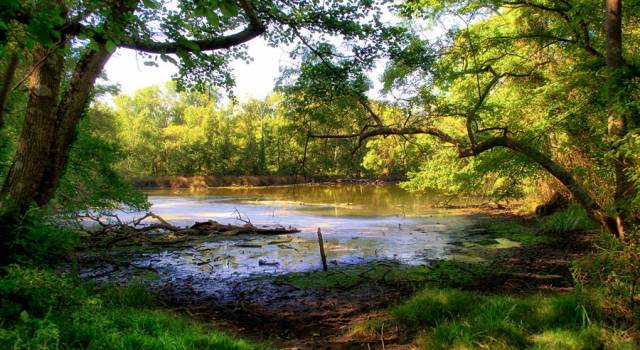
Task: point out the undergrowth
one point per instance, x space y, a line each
602 313
41 310
454 319
572 218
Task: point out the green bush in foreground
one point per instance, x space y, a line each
40 310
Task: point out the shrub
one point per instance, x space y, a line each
33 240
41 310
573 218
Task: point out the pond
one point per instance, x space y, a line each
360 224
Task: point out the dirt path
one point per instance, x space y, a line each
293 318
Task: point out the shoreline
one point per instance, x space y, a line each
242 181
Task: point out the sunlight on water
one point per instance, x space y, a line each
359 224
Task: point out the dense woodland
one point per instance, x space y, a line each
517 101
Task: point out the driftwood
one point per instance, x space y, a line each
213 227
112 230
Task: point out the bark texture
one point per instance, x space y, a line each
34 145
617 124
5 89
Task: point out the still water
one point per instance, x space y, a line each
359 223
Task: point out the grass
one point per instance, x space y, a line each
445 273
454 319
602 313
573 218
40 310
516 232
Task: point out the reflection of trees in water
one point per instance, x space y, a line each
336 200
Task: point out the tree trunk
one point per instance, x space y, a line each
68 116
617 126
595 211
38 132
5 89
50 125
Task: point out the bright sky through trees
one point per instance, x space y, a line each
255 79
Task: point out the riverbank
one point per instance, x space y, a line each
206 182
344 307
504 262
508 283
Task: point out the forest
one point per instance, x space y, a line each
422 175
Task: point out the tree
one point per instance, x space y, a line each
69 46
519 75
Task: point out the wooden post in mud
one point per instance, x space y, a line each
322 255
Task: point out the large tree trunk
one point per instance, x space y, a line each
50 125
617 126
577 190
68 116
39 129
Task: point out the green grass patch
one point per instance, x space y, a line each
573 218
442 273
516 232
40 310
455 319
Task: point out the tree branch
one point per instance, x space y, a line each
254 29
444 137
535 5
565 177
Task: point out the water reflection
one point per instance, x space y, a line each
359 223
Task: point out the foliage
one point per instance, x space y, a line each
452 318
572 218
42 310
444 172
33 239
91 180
613 269
164 132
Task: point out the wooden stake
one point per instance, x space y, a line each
322 255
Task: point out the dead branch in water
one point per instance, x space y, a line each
112 229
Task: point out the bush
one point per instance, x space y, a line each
573 218
41 310
614 270
32 239
455 319
34 291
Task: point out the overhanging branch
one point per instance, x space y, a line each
254 29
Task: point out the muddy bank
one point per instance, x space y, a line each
204 182
294 314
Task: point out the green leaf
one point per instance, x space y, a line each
213 19
151 4
229 9
110 45
167 58
93 46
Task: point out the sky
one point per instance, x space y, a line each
255 79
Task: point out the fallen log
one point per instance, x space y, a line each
154 232
214 227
